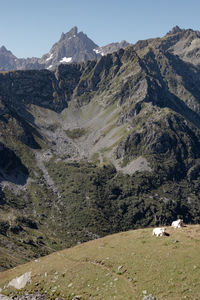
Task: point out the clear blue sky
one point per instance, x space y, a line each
30 27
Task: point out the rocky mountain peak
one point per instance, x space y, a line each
73 31
62 37
3 49
72 47
7 59
175 30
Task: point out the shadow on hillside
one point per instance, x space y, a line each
2 197
11 167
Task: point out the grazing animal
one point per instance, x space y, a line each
177 224
159 231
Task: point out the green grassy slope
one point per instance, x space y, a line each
120 266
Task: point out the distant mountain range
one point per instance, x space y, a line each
72 47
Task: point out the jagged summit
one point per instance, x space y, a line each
7 59
175 30
72 47
75 46
3 48
73 31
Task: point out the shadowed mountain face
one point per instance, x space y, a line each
104 146
11 167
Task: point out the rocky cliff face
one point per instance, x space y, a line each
97 147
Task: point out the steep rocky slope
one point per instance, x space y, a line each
96 148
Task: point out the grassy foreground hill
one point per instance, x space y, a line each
127 265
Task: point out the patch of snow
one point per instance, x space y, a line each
49 67
97 51
20 282
50 57
74 35
66 59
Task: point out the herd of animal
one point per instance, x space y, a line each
161 231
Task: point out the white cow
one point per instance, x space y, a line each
159 231
177 224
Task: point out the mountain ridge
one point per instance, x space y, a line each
75 46
72 46
101 146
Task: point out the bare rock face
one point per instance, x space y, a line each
175 30
7 59
20 282
36 296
